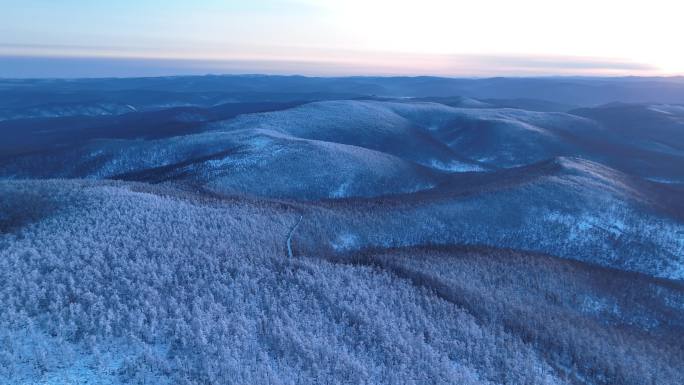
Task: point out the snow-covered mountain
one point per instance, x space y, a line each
290 230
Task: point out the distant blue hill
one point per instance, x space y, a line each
573 91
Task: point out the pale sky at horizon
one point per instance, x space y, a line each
350 37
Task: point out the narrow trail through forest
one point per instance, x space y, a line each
289 237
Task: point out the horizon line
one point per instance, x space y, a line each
26 66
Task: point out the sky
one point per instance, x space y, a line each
90 38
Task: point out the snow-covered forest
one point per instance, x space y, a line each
188 236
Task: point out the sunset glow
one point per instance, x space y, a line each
327 37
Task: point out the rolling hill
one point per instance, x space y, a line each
292 230
112 282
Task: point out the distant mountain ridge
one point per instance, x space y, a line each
199 90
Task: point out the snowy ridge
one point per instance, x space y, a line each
289 230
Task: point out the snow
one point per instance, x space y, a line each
667 109
340 191
454 166
269 280
346 241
